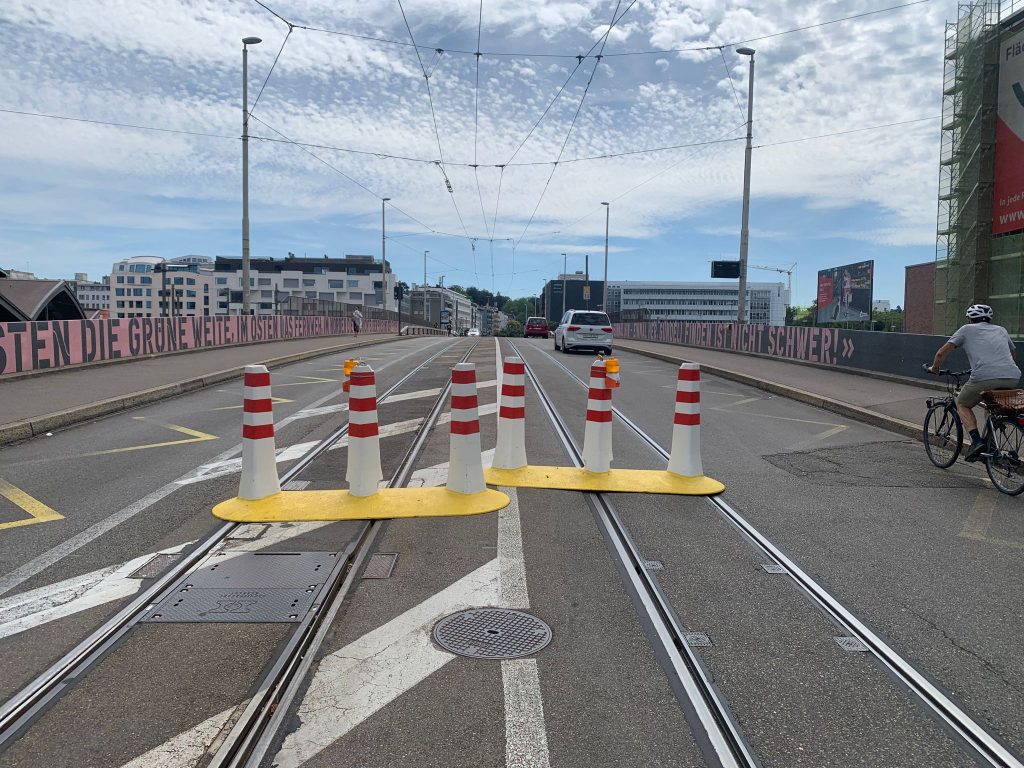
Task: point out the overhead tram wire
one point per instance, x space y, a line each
272 67
728 73
433 117
844 133
616 18
476 125
108 123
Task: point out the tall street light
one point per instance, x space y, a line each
246 42
744 226
383 251
425 318
564 265
604 289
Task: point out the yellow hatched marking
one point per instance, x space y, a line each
38 512
977 524
194 436
236 407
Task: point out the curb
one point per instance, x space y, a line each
40 425
905 428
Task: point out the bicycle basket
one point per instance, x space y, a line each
1005 402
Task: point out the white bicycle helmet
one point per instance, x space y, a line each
977 311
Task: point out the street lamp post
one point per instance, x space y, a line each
383 251
564 266
425 318
246 42
744 226
604 289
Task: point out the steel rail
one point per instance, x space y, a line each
970 733
715 729
255 731
19 711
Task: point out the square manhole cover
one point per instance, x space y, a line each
157 565
851 644
256 606
697 639
265 570
773 568
654 565
380 565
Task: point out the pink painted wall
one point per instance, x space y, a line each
60 343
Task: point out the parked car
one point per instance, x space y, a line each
473 332
536 326
584 329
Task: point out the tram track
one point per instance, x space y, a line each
24 707
715 728
970 734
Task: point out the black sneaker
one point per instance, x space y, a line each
975 451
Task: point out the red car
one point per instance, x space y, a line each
536 326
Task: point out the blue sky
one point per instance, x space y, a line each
76 196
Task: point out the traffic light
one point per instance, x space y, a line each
399 292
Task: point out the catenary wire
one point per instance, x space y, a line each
476 123
68 118
272 67
844 133
728 74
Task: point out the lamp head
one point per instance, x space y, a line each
745 51
385 200
251 40
605 203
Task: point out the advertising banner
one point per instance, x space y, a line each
1008 192
845 293
58 343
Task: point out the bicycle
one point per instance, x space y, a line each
1003 433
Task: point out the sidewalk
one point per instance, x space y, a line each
895 406
28 404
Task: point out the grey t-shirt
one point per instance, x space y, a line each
988 350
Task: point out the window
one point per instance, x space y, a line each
190 294
335 283
222 281
146 280
131 279
119 292
140 268
264 281
307 283
120 305
378 285
206 287
149 305
266 294
326 296
291 282
353 283
178 281
355 295
149 291
266 306
310 294
136 291
190 305
192 281
120 278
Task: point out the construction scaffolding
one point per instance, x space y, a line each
970 264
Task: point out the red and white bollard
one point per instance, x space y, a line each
465 465
259 457
685 459
510 449
597 436
363 471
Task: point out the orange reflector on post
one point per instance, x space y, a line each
611 372
348 367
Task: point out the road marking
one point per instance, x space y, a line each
236 407
37 511
309 380
816 438
195 436
362 678
185 749
745 401
980 519
54 555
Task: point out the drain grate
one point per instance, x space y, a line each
654 565
295 485
157 565
380 565
851 644
773 568
492 633
697 639
234 605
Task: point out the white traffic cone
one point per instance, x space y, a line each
259 458
510 449
465 465
685 459
363 471
597 437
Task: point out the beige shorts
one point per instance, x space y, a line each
970 395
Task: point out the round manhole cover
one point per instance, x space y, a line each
492 633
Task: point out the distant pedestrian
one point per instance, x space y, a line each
357 321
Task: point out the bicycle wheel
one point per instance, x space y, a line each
1004 466
943 435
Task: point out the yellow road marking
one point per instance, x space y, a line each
236 407
815 438
980 519
780 418
309 380
38 512
195 436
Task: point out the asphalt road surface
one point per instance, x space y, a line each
929 559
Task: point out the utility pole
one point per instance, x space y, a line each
604 289
564 262
744 225
383 251
246 42
426 319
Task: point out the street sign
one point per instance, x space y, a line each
446 316
727 269
586 293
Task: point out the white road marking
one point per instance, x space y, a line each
362 678
43 561
185 749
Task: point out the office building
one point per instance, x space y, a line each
715 302
151 286
426 304
91 294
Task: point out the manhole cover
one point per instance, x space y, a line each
492 633
851 644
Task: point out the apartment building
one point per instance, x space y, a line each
151 286
91 294
351 280
697 302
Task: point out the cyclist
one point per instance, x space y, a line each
991 354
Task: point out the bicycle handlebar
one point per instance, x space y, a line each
947 372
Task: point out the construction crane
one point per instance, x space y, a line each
787 272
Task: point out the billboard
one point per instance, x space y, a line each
729 269
1008 192
845 293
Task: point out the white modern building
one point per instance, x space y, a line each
462 313
881 305
716 302
272 282
151 286
91 294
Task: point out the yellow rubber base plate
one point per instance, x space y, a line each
613 481
387 503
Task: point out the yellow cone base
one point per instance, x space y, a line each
613 481
387 503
